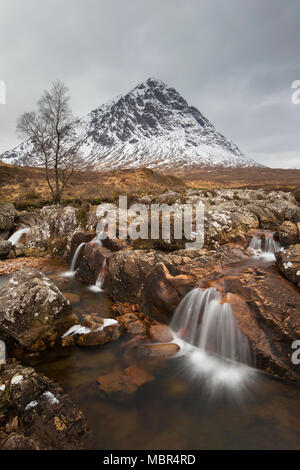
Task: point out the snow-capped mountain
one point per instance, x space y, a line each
151 126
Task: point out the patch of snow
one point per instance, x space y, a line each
76 330
16 379
53 400
30 405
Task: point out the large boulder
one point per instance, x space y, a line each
36 414
288 262
158 281
288 234
33 312
7 216
50 222
267 307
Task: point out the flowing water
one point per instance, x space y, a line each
202 398
71 272
16 237
264 246
196 401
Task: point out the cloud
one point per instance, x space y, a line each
234 60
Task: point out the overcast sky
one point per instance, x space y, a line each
235 60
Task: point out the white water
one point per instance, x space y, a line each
203 321
211 341
2 352
99 237
14 239
98 287
73 262
265 247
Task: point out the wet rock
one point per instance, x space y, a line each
115 244
132 324
157 351
7 216
90 262
94 331
77 239
267 307
122 385
161 333
40 411
33 312
159 281
127 271
288 261
288 234
5 248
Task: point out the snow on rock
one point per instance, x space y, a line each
151 126
16 379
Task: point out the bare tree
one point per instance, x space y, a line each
50 130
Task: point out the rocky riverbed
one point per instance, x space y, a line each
48 319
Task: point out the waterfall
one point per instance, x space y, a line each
265 246
73 262
14 239
99 237
2 352
201 320
212 347
98 287
76 254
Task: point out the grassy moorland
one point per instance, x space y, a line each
27 187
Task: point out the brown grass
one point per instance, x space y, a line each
27 187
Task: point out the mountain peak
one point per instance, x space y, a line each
151 126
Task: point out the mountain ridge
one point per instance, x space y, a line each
150 126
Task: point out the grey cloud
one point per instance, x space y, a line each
234 60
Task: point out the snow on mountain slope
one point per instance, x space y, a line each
151 126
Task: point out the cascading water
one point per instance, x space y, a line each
265 246
98 287
99 237
2 352
15 238
73 262
210 339
203 321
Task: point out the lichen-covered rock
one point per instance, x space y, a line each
38 415
288 234
33 312
288 261
49 222
7 216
